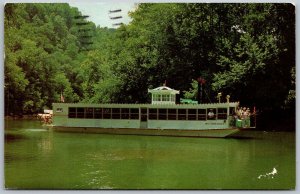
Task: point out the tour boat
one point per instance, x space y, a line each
162 117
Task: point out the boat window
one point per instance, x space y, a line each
192 114
124 110
115 110
80 112
152 113
144 110
144 115
232 111
165 97
172 114
181 114
106 113
89 112
162 114
201 114
222 113
134 110
115 113
156 97
124 113
98 113
173 98
211 113
59 110
134 113
72 112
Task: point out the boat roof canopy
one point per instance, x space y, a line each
163 90
199 106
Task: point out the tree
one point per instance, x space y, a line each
255 63
242 50
41 45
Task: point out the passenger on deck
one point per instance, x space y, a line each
248 112
244 113
242 117
211 114
238 113
247 118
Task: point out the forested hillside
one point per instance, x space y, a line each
244 50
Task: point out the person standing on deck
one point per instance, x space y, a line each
211 114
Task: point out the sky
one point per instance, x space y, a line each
98 12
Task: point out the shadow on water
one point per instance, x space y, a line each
9 157
9 138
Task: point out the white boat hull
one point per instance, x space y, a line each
151 132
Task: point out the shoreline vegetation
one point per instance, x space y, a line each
244 50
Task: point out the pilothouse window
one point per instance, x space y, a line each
165 97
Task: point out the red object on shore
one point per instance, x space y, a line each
201 80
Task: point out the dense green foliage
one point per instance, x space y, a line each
41 56
244 50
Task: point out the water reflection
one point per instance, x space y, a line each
45 144
9 138
45 159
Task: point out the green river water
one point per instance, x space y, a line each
37 158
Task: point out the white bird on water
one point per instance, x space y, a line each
269 174
273 172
